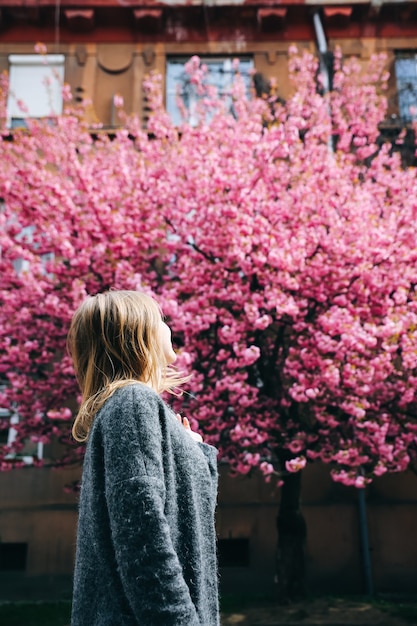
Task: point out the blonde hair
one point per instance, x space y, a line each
114 341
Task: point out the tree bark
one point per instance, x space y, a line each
292 533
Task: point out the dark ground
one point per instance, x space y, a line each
327 611
249 611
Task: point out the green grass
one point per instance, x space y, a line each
35 613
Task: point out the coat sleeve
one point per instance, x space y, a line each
147 562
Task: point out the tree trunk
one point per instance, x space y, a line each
292 532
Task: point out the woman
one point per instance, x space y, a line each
146 545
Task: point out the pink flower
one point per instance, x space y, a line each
296 446
263 322
61 414
295 465
250 355
360 482
118 101
66 92
298 331
40 48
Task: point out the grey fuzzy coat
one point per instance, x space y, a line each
146 545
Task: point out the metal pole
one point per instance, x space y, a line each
322 47
366 556
324 69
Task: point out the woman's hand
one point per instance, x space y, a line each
185 422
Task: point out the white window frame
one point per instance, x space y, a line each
12 436
407 87
28 78
22 266
171 87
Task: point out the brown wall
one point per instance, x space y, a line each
36 510
248 508
98 71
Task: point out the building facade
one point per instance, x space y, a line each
103 49
106 47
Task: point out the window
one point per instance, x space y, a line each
35 87
233 552
25 236
30 449
406 74
220 74
4 424
13 557
8 435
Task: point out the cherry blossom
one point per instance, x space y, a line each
286 269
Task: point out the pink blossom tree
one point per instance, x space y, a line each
294 287
293 280
79 215
281 241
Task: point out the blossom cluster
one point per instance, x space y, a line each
286 268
